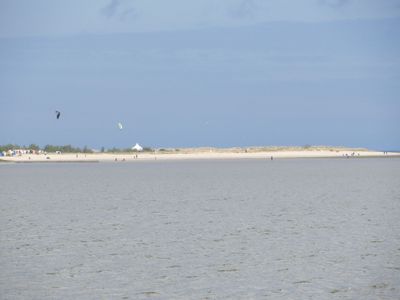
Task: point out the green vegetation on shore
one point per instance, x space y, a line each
47 148
67 149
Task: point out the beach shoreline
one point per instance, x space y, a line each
193 155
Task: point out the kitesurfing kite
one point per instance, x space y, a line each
58 114
120 125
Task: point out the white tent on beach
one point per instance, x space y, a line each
137 147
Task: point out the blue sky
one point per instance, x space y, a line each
200 73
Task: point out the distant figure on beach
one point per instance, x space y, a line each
58 114
272 158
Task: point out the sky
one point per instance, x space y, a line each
218 73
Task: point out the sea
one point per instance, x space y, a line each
205 229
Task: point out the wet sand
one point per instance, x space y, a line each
215 229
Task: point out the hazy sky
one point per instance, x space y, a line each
200 73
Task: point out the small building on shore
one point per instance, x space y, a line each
137 148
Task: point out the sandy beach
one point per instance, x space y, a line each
184 154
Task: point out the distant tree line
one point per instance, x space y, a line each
15 146
68 149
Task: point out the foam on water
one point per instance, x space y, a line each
257 229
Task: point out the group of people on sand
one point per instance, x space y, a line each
352 155
123 159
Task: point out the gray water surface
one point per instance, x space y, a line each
246 229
